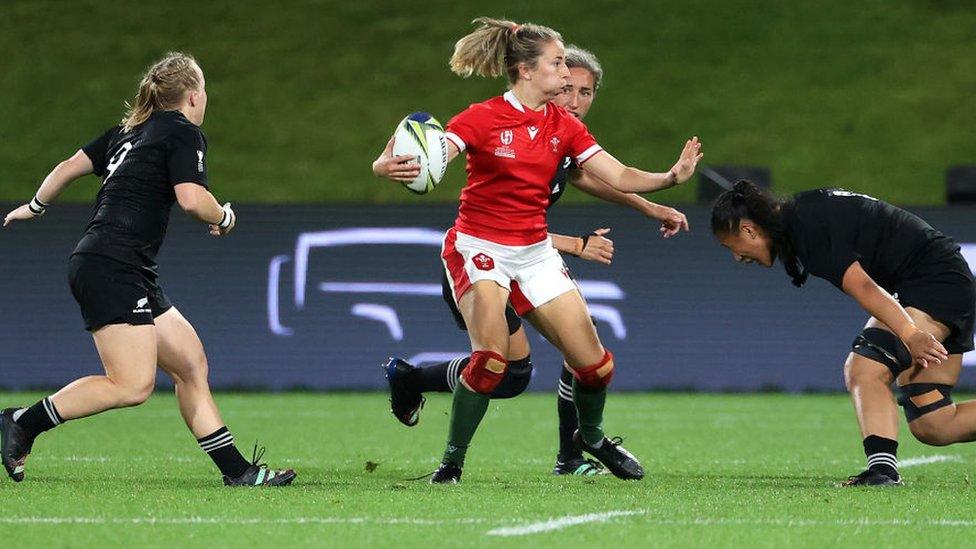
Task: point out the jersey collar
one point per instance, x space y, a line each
513 101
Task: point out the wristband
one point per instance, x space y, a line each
36 206
674 177
583 240
227 220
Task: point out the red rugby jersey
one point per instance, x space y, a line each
513 153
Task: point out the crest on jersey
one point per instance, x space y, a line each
555 144
507 137
483 262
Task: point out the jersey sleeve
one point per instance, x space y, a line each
582 145
97 150
462 130
186 157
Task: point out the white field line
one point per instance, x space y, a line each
925 460
520 529
559 523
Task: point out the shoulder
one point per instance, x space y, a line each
181 130
486 109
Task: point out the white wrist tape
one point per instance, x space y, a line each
36 206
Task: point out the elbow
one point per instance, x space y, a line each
190 202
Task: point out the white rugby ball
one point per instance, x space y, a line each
420 135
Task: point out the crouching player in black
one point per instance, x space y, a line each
408 382
911 278
154 158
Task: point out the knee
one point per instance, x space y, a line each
516 380
919 401
484 372
134 394
192 370
928 432
857 374
596 377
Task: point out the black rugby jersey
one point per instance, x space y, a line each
139 170
830 229
559 181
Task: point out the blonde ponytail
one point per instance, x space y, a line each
498 46
162 88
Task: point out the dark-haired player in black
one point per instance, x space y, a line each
156 157
409 382
909 277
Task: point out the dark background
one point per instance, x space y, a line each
694 319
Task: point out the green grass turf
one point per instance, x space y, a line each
722 470
876 95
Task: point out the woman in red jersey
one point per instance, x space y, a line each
499 249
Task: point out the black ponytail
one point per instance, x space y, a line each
746 200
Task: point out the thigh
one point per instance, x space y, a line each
128 352
179 348
565 322
946 373
483 309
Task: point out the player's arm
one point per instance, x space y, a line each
199 203
57 181
881 305
632 180
672 221
403 168
592 247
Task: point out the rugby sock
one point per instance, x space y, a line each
466 413
441 377
219 445
882 455
40 417
589 406
568 421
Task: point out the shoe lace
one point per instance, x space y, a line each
594 464
257 455
617 441
421 477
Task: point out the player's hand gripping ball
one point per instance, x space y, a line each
420 135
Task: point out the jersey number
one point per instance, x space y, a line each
117 159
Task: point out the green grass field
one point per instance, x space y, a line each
876 95
722 470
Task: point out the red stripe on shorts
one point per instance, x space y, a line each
519 302
454 263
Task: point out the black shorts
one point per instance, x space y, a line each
511 317
945 290
112 292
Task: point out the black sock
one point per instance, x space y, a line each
219 445
40 417
882 454
441 377
568 420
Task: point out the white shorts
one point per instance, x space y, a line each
535 274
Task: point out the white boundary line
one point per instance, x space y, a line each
559 523
925 460
519 530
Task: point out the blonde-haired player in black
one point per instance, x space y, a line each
155 157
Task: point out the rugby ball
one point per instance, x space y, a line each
420 135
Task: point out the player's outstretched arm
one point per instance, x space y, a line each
924 347
632 180
672 221
592 247
199 203
57 181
